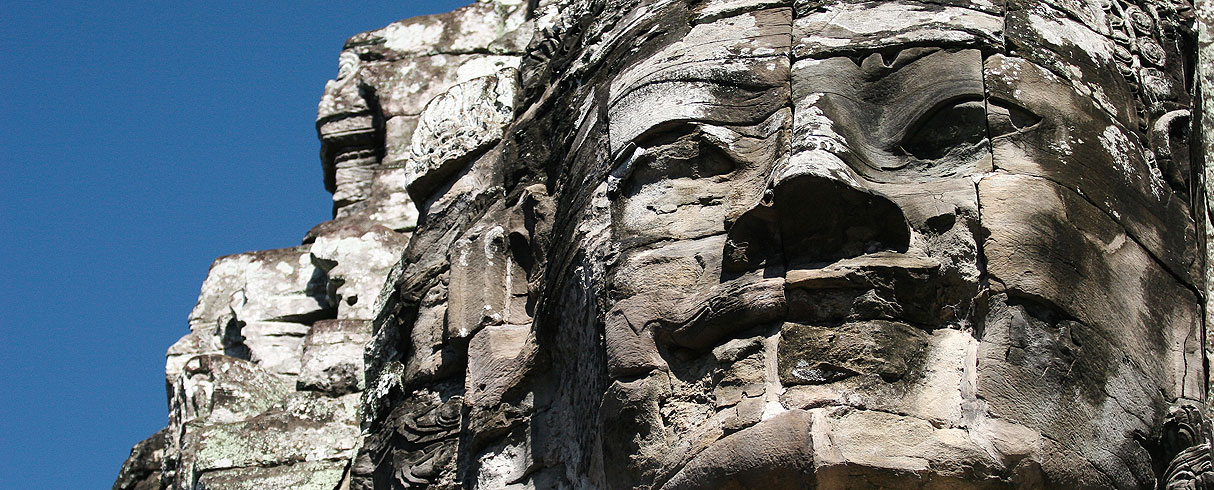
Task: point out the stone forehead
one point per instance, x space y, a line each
845 28
752 49
719 49
822 29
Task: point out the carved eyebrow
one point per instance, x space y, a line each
744 78
720 135
753 57
710 102
890 59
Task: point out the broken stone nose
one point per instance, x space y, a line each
806 220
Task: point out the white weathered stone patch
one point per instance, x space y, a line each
417 38
864 26
459 123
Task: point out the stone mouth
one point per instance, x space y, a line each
825 354
857 272
887 286
352 152
331 136
347 144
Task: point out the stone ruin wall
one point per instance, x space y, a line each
269 389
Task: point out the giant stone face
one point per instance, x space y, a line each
748 244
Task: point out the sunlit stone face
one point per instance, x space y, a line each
862 244
748 244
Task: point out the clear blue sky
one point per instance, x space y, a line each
139 141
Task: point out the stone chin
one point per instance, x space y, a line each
845 447
775 454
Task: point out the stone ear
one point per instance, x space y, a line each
494 263
1171 144
531 228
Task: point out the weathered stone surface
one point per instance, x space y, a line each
873 449
644 244
369 114
777 453
225 389
1057 336
816 355
319 475
213 389
255 306
1205 119
332 359
1072 142
456 125
270 285
141 471
498 357
266 324
356 257
305 427
838 28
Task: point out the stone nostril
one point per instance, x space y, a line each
941 223
811 221
769 198
752 240
822 220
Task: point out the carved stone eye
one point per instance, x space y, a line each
679 153
1007 118
957 125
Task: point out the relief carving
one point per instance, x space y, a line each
677 244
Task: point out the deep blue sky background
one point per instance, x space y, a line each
139 141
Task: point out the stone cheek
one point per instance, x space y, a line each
331 358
